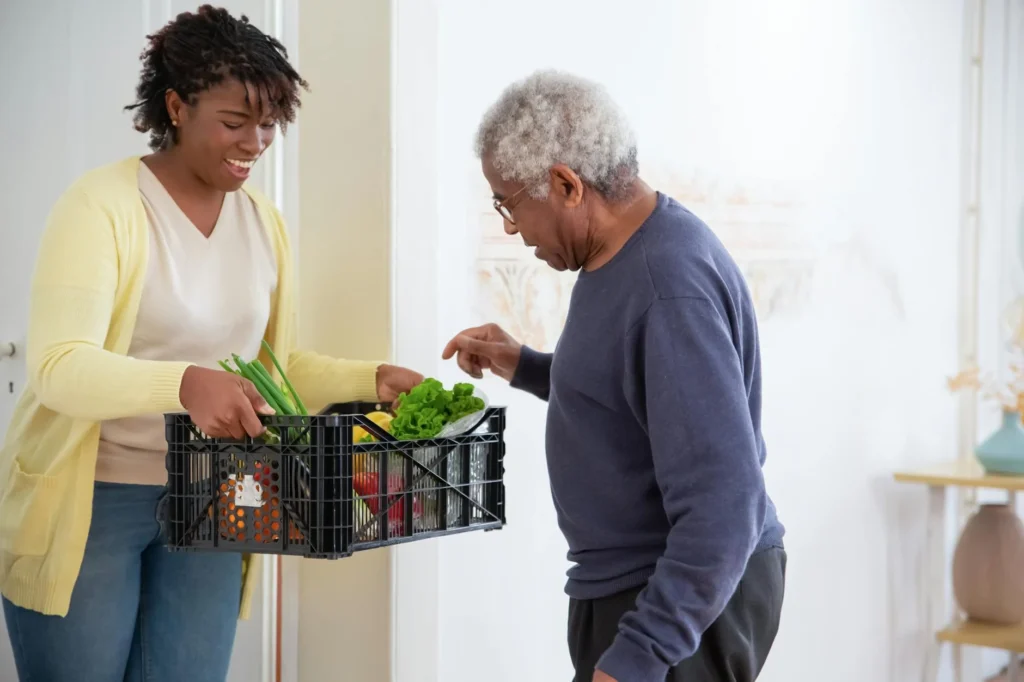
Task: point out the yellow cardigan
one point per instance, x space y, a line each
84 299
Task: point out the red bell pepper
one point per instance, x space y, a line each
367 486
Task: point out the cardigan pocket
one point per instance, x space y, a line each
27 511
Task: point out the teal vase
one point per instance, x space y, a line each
1003 451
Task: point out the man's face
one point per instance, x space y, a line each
544 224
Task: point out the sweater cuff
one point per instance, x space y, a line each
165 386
364 381
532 372
625 661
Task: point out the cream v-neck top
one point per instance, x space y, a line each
203 299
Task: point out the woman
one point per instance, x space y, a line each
150 271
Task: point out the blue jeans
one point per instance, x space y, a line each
139 613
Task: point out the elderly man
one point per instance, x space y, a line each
654 442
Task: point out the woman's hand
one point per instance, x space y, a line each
222 404
392 381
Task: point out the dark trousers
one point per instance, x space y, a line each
733 649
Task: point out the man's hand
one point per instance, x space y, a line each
486 347
603 677
393 381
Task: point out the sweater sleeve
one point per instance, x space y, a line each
533 373
322 380
708 470
72 301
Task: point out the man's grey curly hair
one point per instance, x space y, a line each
553 117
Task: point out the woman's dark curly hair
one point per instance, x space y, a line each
200 49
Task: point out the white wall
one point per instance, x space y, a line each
822 141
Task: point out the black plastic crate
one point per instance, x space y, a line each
309 490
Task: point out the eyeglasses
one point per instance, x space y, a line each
505 206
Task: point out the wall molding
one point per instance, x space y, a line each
989 232
273 181
280 588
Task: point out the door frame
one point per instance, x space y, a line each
415 599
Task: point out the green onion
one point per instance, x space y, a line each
284 400
284 377
253 375
279 396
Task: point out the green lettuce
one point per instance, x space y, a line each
429 407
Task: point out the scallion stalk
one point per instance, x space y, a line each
253 375
284 377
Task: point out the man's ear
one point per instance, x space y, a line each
567 185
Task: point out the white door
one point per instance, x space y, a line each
68 69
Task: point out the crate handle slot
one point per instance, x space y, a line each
346 409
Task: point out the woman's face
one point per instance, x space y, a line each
223 133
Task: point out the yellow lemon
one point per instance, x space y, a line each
381 419
362 462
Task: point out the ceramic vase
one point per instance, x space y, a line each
1003 451
988 566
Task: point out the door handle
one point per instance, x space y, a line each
7 349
